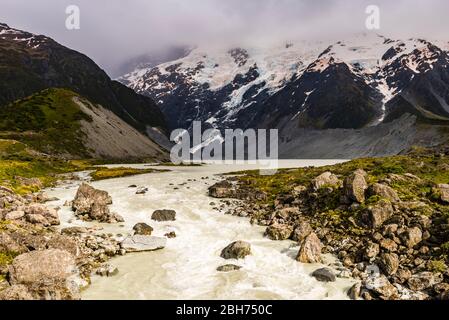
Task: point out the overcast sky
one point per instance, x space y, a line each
113 31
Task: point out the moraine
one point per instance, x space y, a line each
186 267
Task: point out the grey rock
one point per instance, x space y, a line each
139 243
326 179
324 275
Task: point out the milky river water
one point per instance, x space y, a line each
186 267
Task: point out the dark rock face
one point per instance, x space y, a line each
324 275
164 215
40 63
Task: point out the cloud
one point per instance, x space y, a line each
113 31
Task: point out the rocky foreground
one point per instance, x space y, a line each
387 220
39 260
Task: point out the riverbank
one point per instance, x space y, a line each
386 219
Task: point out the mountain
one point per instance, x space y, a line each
30 63
319 93
152 59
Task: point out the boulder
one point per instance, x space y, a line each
326 179
302 230
354 187
222 189
324 275
388 245
50 274
142 229
15 215
141 190
371 251
16 292
9 244
228 268
164 215
411 237
310 249
74 230
66 243
107 270
424 280
381 287
40 214
375 216
279 232
170 235
93 203
139 243
236 250
355 291
383 191
389 263
441 191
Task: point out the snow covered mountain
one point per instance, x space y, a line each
367 80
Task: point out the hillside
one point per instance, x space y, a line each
61 123
30 63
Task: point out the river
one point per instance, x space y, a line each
186 267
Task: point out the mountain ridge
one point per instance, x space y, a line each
349 85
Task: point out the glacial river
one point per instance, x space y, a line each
186 267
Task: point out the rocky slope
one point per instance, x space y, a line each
61 123
386 220
341 89
30 63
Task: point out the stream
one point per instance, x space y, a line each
186 267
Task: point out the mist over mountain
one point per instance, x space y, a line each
324 97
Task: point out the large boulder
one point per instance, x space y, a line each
383 191
16 292
424 280
139 243
411 237
222 189
93 204
441 191
381 287
164 215
236 250
40 214
10 244
142 229
354 187
324 275
310 249
326 179
279 232
49 274
389 263
375 215
301 231
371 251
